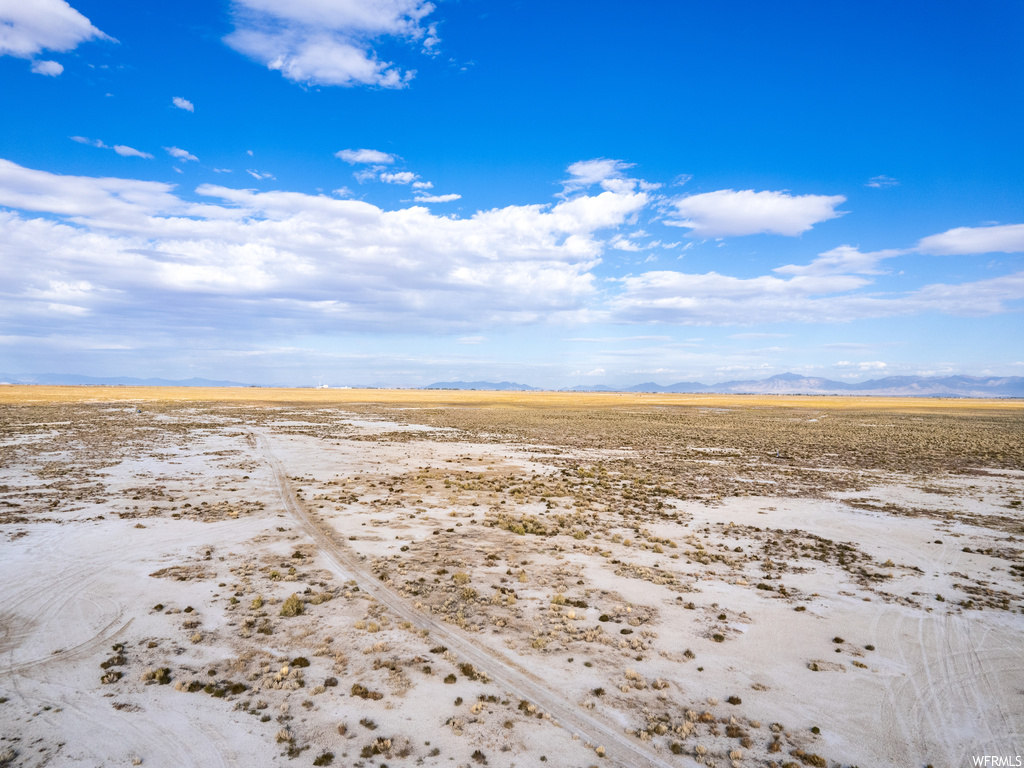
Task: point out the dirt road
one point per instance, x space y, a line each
506 673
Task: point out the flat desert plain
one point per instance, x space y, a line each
364 578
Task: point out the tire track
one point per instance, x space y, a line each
502 670
948 705
88 647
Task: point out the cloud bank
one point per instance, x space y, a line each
115 257
135 254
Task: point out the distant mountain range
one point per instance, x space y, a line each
500 386
782 384
794 384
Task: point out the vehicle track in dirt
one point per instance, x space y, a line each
510 675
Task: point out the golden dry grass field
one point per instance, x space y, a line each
419 397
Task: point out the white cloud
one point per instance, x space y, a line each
48 68
876 365
400 177
437 198
623 243
260 176
965 241
472 339
881 182
603 171
380 173
121 149
185 104
369 156
842 260
829 290
367 174
607 339
727 212
31 26
124 151
180 154
136 258
628 243
263 261
103 202
330 43
423 185
432 41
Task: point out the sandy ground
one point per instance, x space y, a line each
467 598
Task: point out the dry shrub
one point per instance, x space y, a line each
293 606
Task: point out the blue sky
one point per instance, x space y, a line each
399 192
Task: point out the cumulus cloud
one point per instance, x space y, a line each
330 43
368 156
28 28
437 198
967 241
728 212
48 68
180 154
185 104
423 185
400 177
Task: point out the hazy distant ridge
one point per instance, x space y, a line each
499 386
794 384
